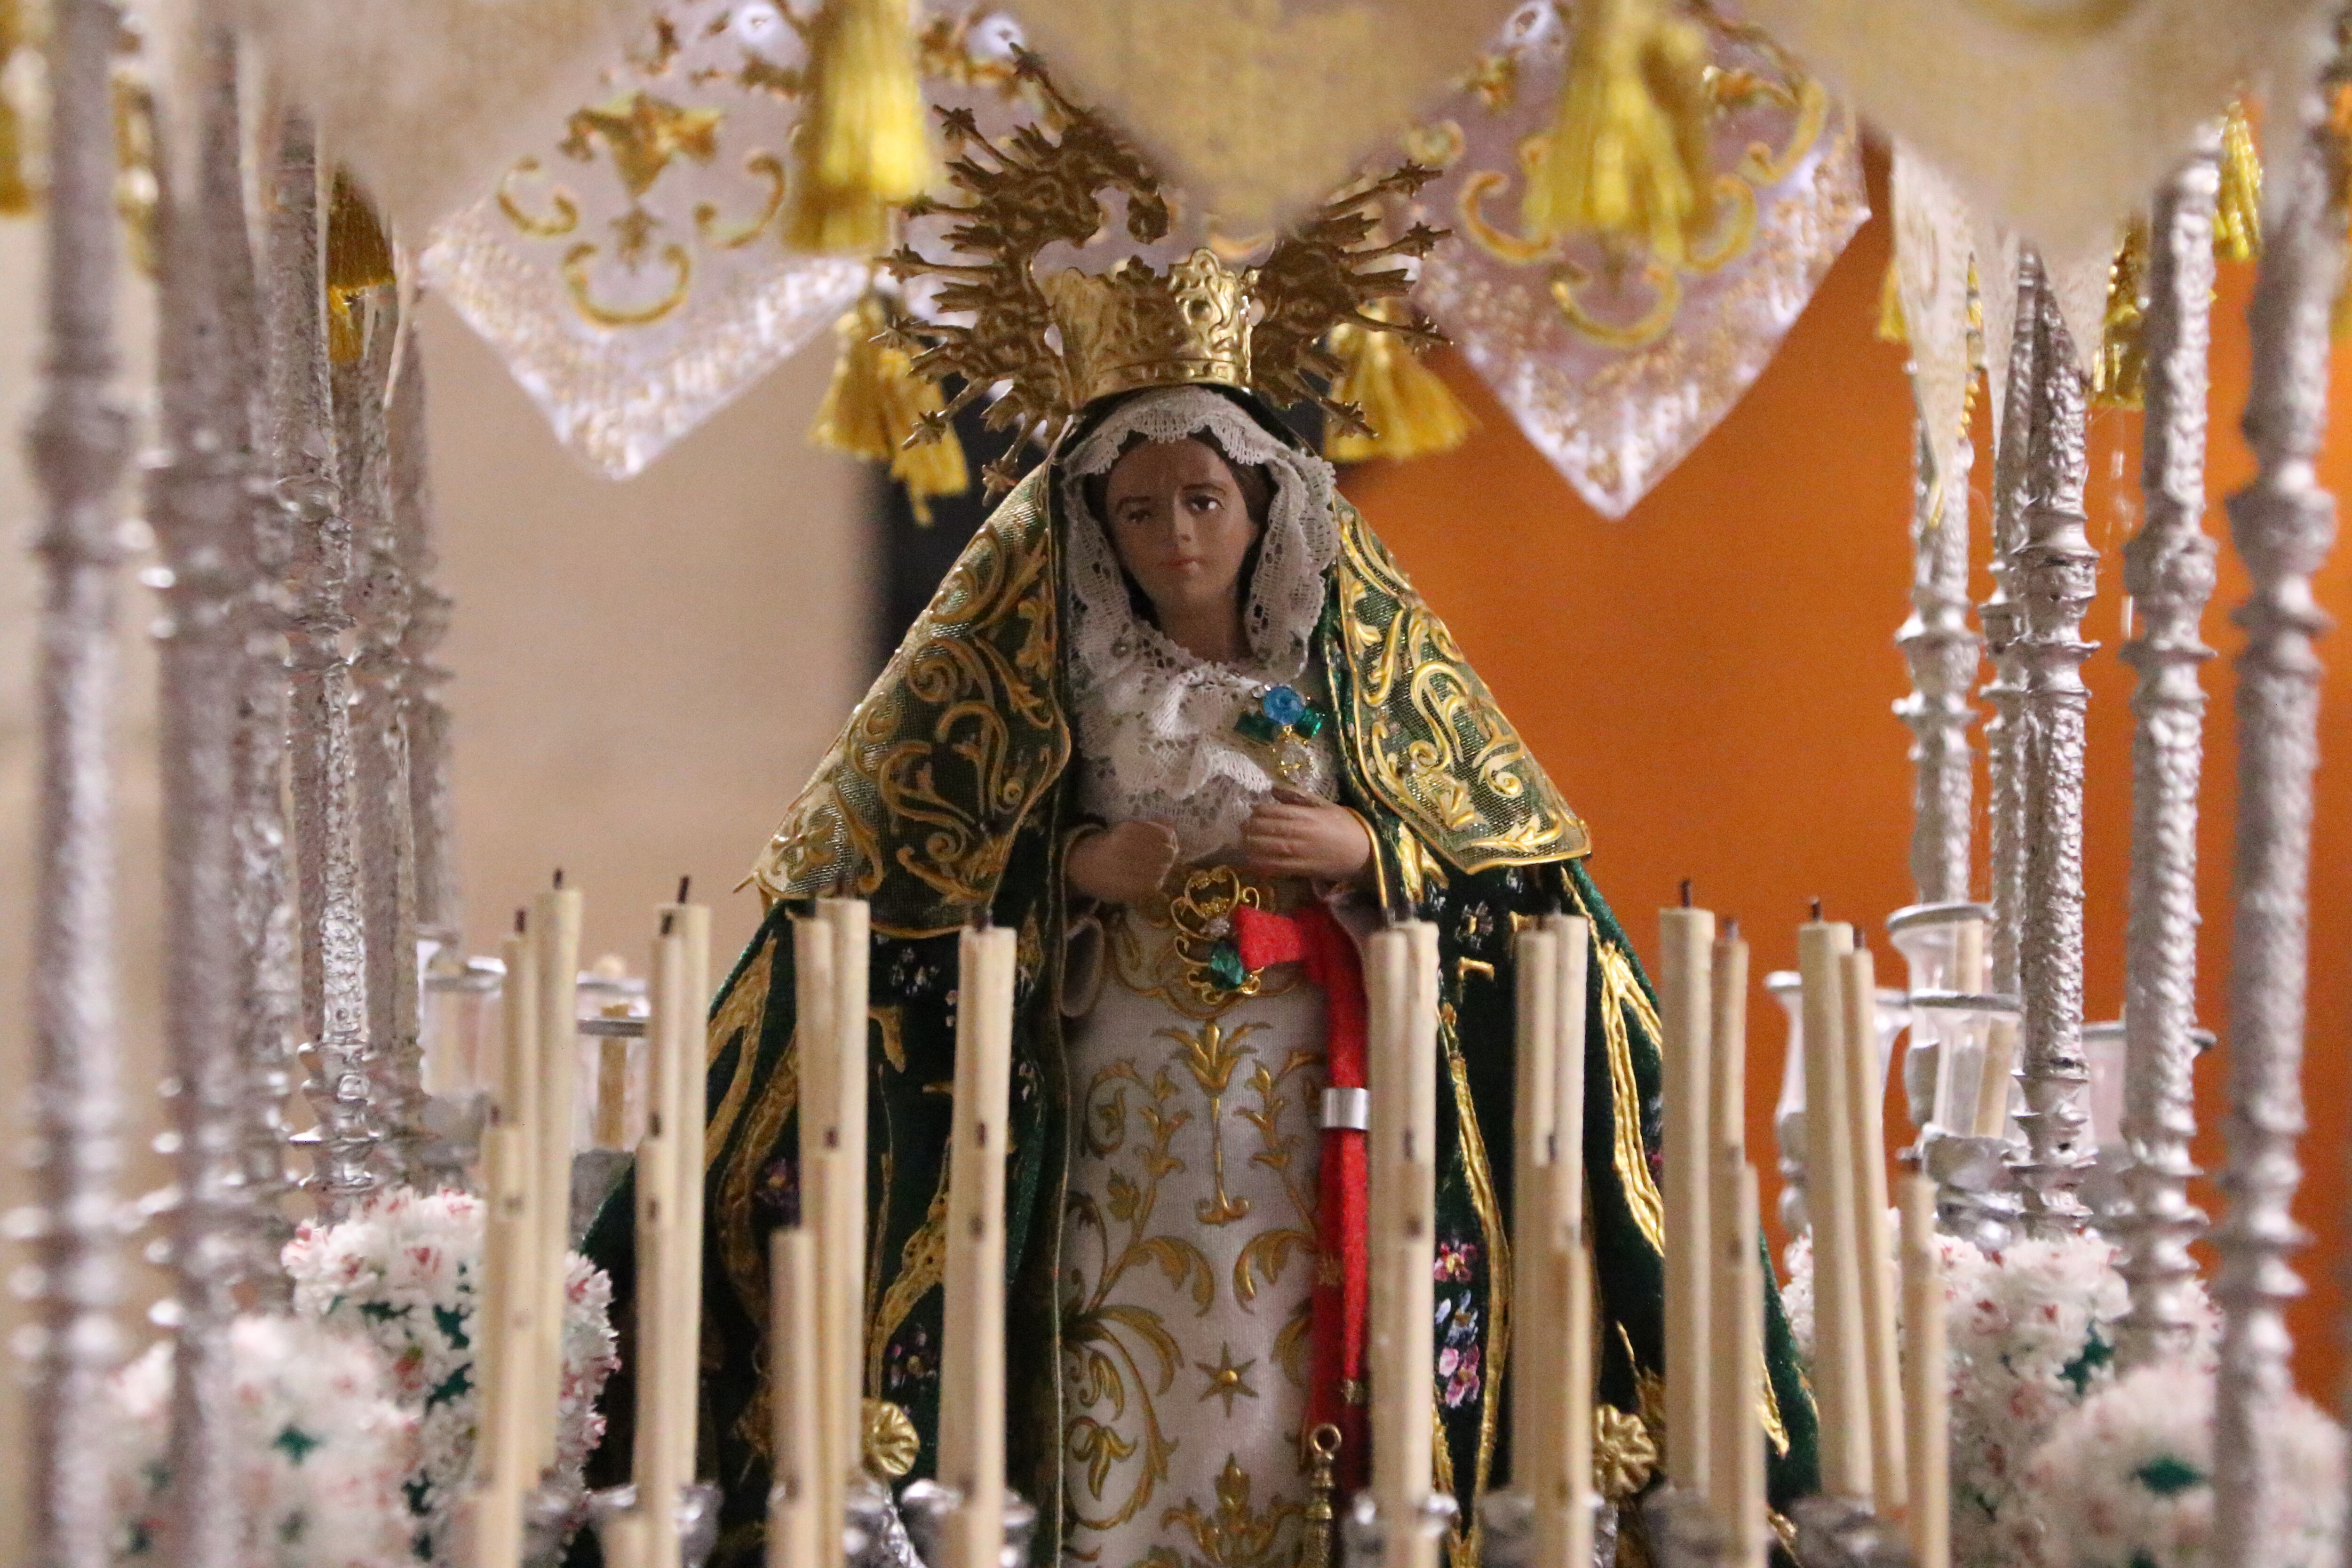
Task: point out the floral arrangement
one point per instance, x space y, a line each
401 1273
2124 1479
324 1450
2032 1334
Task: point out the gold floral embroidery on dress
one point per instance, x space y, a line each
1233 1535
918 802
922 1263
1269 1252
1427 739
1210 1054
1108 1340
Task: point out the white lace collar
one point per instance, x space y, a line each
1155 721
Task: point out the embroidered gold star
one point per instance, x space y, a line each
1226 1380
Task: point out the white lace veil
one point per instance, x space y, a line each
1155 722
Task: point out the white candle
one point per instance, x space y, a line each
816 994
1573 955
1865 1089
1686 1003
1739 1466
972 1344
689 1000
1534 1374
1564 1530
793 1386
1839 1389
844 1238
555 938
1563 1496
655 1461
504 1352
1403 1137
1734 1419
1926 1389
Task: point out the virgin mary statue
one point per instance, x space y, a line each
1177 718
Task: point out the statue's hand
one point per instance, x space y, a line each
1123 863
1295 835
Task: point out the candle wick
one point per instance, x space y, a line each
559 878
982 918
1687 892
1817 911
667 920
520 916
683 884
1731 929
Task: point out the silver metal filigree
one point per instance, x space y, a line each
378 601
1943 653
2168 573
2054 572
79 441
2282 525
341 1087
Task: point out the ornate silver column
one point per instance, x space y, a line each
379 607
79 441
1943 654
341 1086
2001 616
2282 525
2054 572
2168 571
432 819
197 498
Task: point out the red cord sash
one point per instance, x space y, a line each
1326 953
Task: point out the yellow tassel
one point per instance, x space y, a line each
2238 216
1890 329
359 257
1412 411
877 402
15 191
862 148
1628 159
2120 378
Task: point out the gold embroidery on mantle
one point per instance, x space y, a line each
1427 739
918 803
1234 1536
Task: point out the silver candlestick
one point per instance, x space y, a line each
1943 654
198 500
349 1163
269 985
432 816
2281 524
78 442
2001 616
2054 572
2168 573
378 599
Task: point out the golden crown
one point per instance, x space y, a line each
1201 323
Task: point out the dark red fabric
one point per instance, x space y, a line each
1312 939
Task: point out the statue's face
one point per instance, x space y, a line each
1181 526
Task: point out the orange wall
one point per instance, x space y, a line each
1709 681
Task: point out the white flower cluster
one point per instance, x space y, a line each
324 1450
2124 1480
2032 1334
403 1272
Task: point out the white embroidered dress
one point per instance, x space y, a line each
1188 1245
